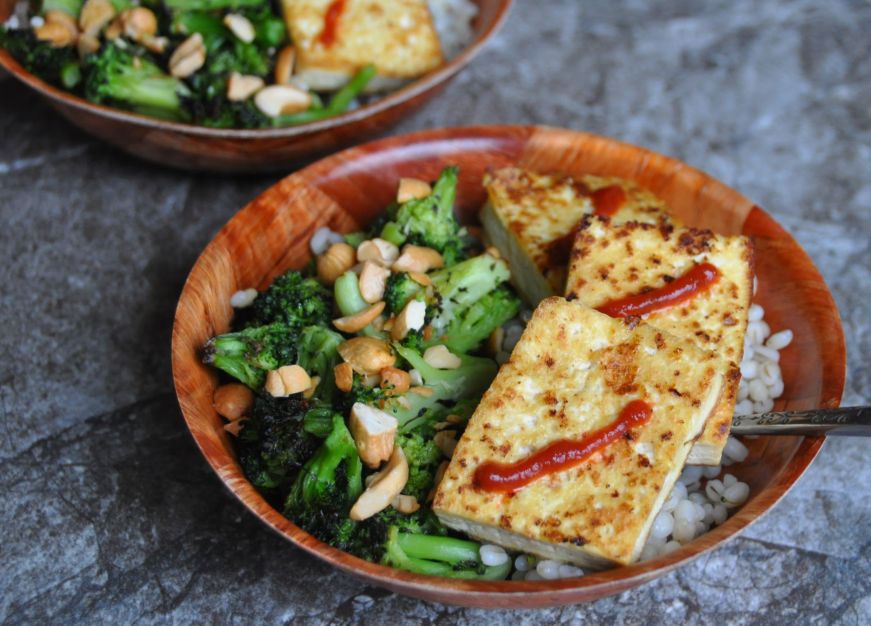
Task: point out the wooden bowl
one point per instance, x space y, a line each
198 148
347 190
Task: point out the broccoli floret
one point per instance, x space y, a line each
449 387
207 101
399 290
318 355
295 301
423 457
273 443
459 302
368 539
430 221
471 325
248 354
439 556
327 486
38 57
373 396
117 77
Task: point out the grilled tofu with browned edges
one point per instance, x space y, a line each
335 38
573 371
610 261
531 218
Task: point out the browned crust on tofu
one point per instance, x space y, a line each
397 36
573 371
542 212
610 261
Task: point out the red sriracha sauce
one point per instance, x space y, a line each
608 200
560 455
697 280
331 22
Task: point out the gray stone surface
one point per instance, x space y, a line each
111 516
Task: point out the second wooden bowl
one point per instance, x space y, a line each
347 190
199 148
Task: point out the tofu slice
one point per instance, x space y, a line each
397 36
531 218
572 372
611 260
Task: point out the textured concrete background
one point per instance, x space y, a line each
110 514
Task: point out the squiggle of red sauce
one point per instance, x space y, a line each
608 200
331 22
697 280
560 455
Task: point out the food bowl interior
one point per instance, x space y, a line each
347 190
199 148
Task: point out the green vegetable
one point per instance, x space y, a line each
212 5
430 221
423 457
38 57
355 239
71 7
339 103
471 300
457 307
326 488
449 386
318 421
440 556
470 325
318 355
294 300
346 290
70 74
248 354
273 443
269 29
399 290
117 77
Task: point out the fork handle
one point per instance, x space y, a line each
854 421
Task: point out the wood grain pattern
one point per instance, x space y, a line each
198 148
348 189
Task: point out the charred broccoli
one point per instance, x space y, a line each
295 301
273 443
248 354
40 57
327 486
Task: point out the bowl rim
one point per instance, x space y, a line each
394 98
517 593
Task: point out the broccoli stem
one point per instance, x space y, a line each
347 293
392 233
210 27
70 74
339 103
437 548
269 30
396 556
210 5
72 7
